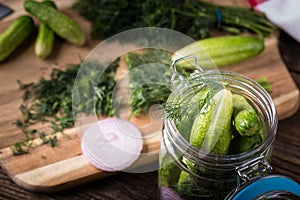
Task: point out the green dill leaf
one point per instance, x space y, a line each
43 137
52 141
18 149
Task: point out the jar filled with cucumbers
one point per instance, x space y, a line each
218 133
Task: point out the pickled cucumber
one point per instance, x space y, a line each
184 125
246 120
211 130
242 144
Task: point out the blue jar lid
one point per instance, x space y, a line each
254 190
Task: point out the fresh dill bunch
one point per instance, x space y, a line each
195 18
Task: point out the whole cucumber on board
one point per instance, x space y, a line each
61 24
220 51
14 35
45 39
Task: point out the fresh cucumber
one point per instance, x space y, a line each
61 24
45 39
211 130
220 51
242 144
168 171
187 115
192 107
188 186
246 120
14 35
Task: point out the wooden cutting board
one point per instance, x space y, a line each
49 169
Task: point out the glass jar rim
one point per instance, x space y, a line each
195 153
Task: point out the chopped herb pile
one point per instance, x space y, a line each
50 101
149 79
192 17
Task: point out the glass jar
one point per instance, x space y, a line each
215 175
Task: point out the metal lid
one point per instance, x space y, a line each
267 187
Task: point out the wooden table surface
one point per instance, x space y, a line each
285 160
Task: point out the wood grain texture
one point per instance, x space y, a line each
49 169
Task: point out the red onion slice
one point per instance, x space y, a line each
112 144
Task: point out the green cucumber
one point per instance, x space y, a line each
192 108
240 103
14 35
220 51
242 144
188 186
168 171
211 130
45 39
184 124
63 25
246 120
